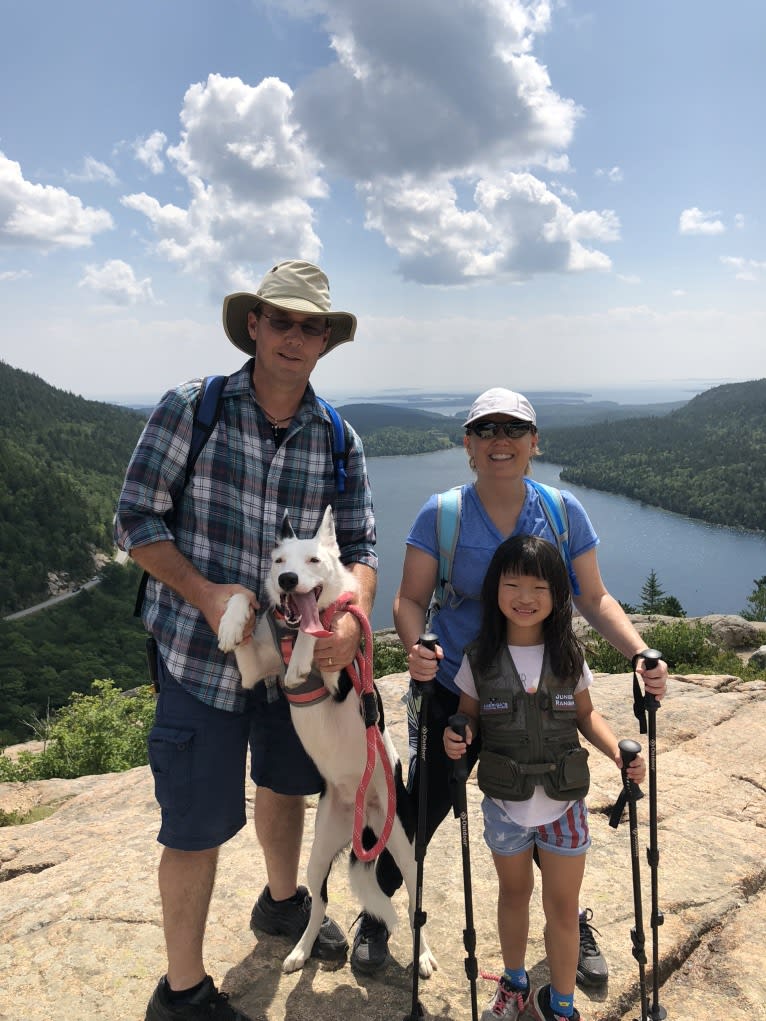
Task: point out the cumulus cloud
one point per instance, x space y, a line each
251 180
149 151
116 282
695 221
13 274
423 105
43 216
517 228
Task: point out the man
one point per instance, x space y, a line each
203 541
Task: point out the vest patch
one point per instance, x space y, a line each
563 700
495 705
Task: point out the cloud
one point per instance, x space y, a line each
116 281
695 221
251 180
425 87
423 105
95 170
14 274
614 175
43 216
149 151
745 269
739 221
518 228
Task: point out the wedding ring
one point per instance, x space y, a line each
329 661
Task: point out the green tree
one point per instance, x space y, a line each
756 608
671 607
652 595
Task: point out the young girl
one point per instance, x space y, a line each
524 688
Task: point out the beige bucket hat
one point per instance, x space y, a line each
296 287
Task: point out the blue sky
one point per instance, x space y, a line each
536 194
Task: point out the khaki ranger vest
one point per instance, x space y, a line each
527 739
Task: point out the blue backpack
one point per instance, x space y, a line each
207 411
448 511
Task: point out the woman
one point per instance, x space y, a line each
501 439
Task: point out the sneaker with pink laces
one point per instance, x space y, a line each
507 1003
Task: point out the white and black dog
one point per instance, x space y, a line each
306 577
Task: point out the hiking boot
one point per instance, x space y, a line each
539 1007
370 950
507 1003
207 1004
592 969
290 918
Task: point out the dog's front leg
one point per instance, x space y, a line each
257 656
300 661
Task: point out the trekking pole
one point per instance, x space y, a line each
458 722
631 793
651 657
425 690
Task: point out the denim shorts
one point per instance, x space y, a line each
198 757
567 835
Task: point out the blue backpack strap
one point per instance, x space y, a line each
449 507
207 410
339 444
555 510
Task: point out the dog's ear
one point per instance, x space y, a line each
326 531
287 528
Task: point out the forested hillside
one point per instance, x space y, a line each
62 459
707 460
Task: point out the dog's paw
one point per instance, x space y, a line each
427 964
294 961
231 630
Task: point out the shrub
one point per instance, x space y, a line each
104 732
387 658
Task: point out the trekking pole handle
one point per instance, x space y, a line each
459 722
430 641
628 751
651 658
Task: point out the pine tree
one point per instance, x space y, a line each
652 594
756 608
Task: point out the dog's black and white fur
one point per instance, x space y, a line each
306 577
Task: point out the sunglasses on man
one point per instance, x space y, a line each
488 430
310 328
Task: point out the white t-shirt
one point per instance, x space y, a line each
528 660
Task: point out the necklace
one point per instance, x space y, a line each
274 422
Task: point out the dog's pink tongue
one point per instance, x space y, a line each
306 605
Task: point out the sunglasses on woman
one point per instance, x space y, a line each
488 430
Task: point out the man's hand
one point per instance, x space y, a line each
340 649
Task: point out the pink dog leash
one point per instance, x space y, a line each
361 677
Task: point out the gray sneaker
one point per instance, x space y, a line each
592 969
290 918
370 950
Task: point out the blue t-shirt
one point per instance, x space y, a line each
457 625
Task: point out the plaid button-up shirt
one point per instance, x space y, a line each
229 517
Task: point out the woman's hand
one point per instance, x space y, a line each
656 679
423 662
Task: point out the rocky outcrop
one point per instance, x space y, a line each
81 930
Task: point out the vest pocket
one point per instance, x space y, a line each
499 776
573 778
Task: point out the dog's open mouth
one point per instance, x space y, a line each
301 612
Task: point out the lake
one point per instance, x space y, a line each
708 568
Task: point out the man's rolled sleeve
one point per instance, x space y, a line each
156 470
